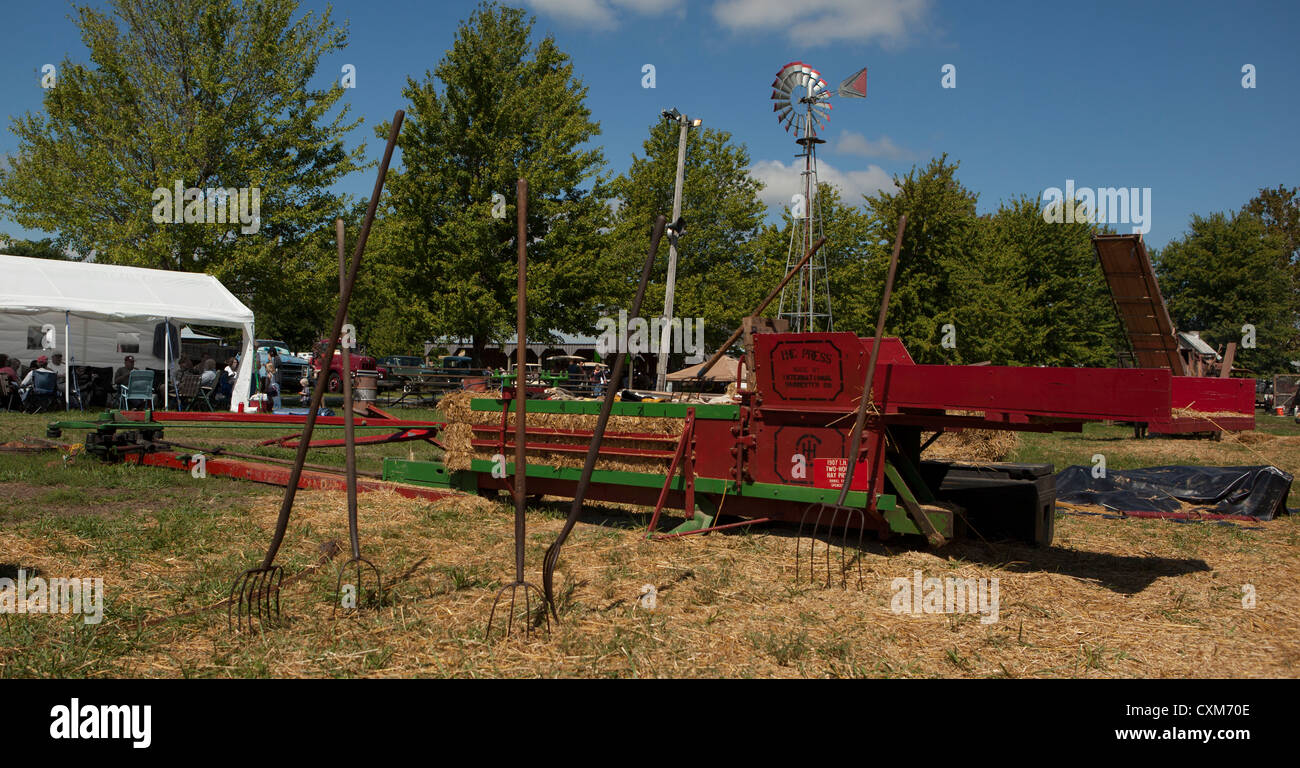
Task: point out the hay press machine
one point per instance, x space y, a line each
780 447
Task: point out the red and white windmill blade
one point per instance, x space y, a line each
802 97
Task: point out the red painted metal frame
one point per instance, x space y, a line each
174 417
684 457
279 475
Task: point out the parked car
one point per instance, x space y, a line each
292 368
358 363
394 369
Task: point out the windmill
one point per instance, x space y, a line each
802 103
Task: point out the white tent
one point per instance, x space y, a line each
189 334
48 295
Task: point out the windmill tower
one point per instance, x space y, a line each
802 101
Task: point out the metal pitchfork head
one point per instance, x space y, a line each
829 515
357 597
521 459
255 595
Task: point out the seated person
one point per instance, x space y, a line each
7 369
209 376
60 370
39 364
123 374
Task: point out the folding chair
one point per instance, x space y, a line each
139 386
215 393
187 392
44 392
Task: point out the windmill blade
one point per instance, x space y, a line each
855 85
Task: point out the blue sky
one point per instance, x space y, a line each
1109 94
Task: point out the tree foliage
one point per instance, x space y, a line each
718 274
940 235
1227 272
497 108
215 95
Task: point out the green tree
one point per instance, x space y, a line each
497 108
1033 293
44 248
941 233
1224 274
214 95
1280 210
716 267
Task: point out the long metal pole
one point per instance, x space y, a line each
521 365
598 434
349 426
670 287
67 363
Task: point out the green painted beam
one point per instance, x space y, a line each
592 408
796 493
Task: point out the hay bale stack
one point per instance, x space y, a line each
974 445
456 409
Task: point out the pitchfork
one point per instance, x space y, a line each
256 593
598 434
839 513
350 453
521 398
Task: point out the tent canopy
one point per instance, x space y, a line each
722 371
114 293
111 292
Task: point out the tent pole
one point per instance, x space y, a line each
167 366
67 362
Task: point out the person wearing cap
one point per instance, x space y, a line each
42 364
123 374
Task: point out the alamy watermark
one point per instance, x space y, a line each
947 595
638 335
1104 205
39 595
214 205
75 720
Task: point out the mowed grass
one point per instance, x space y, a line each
1111 598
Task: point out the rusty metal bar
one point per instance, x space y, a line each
759 309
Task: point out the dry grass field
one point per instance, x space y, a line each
1111 598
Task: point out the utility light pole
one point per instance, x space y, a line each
665 326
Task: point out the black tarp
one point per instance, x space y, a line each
1258 492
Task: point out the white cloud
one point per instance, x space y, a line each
809 22
853 143
604 14
782 182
